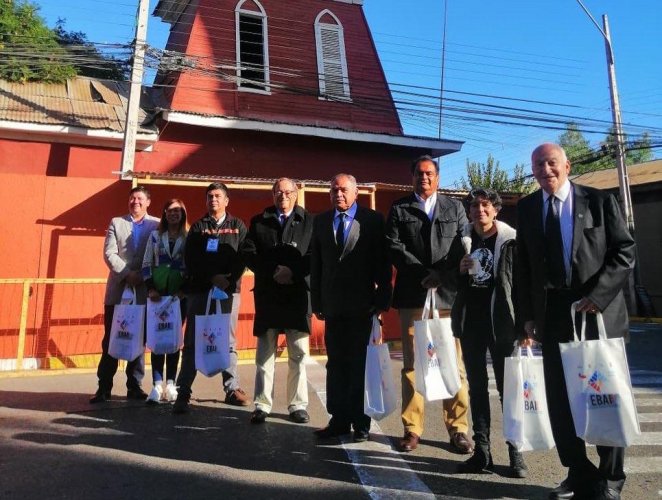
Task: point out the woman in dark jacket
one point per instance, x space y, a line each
483 317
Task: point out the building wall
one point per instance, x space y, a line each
211 88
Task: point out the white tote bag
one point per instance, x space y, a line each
127 340
212 340
164 325
599 387
525 419
380 398
435 354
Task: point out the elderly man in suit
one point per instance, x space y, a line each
350 281
573 245
423 232
280 259
123 252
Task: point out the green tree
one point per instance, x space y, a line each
491 175
88 60
636 151
28 48
579 152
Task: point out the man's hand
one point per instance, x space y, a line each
586 305
221 281
319 316
530 330
432 280
134 278
153 295
283 275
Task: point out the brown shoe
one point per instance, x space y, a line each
461 444
237 398
409 442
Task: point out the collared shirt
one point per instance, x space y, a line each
137 228
282 219
350 213
564 194
219 222
428 205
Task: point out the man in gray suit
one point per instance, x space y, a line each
123 252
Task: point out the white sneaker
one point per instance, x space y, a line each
171 391
155 395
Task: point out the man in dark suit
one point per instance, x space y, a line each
350 280
423 232
573 246
280 259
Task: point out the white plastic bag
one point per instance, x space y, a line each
599 387
380 398
127 340
526 422
212 340
435 354
164 325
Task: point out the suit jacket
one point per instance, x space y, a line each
121 258
414 253
280 306
356 281
602 257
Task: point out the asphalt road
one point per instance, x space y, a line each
54 445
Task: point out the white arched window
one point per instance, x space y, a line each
331 58
252 46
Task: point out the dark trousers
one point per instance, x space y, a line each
474 349
346 339
135 370
571 449
197 305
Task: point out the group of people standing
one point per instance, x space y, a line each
338 266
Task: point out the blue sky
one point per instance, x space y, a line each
503 58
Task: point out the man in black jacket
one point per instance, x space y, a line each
212 259
421 230
279 256
573 246
350 281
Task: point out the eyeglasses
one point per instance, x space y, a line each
284 193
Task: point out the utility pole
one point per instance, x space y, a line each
131 123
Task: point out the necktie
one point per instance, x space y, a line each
340 231
554 245
283 219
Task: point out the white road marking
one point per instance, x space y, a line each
642 465
650 418
379 482
645 402
648 439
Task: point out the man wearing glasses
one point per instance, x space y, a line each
279 256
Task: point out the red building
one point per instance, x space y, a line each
247 91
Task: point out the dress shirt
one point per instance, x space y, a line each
564 194
349 217
282 217
428 205
136 230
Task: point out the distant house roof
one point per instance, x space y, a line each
643 173
80 107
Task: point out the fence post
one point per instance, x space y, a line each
24 324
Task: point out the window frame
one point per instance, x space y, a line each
262 15
338 27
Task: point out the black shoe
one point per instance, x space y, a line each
329 432
518 468
180 406
258 417
300 417
100 397
479 463
563 491
136 393
360 436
